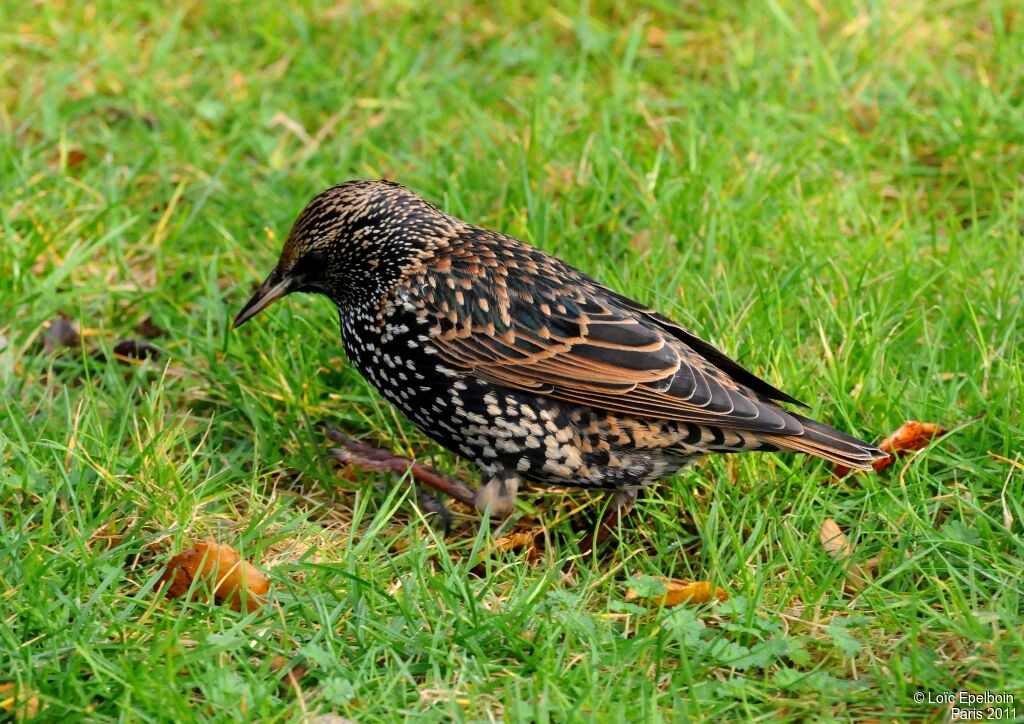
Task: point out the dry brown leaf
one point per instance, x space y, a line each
516 540
17 702
62 332
290 675
680 592
74 157
911 435
871 564
530 541
132 349
834 540
234 579
148 329
640 242
656 37
837 545
841 471
559 178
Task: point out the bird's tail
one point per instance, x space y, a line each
828 443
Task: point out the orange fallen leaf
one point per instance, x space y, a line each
680 592
911 435
234 579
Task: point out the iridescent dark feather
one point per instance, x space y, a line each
518 361
542 326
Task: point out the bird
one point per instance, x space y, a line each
520 363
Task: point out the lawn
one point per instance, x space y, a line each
834 194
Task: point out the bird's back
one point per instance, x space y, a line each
502 313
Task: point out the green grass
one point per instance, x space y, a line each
831 193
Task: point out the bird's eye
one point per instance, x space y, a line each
309 265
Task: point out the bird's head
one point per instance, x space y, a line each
352 243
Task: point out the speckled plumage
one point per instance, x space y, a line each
521 363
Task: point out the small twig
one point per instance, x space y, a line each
1007 515
1015 463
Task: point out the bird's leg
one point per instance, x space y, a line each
498 496
368 457
618 508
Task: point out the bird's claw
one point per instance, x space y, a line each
368 457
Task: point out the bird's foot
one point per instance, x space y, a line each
497 497
367 457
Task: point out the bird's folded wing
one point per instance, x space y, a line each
582 344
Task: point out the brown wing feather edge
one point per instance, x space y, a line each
828 443
711 353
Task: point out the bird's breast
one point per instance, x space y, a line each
393 351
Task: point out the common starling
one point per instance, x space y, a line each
520 363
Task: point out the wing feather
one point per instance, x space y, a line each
567 337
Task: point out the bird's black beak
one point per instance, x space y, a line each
275 287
